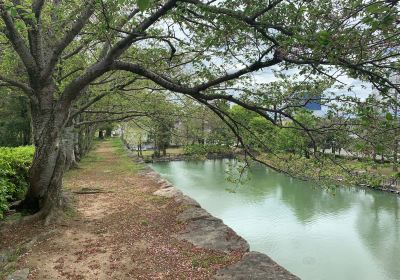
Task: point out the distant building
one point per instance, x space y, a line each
312 103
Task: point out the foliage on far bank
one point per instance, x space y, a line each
14 165
330 170
204 150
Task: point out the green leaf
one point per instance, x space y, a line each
374 8
143 4
323 37
13 12
389 116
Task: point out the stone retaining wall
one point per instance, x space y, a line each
182 157
205 231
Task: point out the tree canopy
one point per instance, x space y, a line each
67 55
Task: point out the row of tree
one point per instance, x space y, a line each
68 56
366 128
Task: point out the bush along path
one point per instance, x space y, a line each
127 223
14 165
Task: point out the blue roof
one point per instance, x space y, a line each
314 106
313 103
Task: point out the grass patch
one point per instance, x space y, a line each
125 163
118 146
10 265
157 199
95 160
13 257
207 261
9 268
70 210
90 159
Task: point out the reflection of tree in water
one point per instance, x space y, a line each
378 222
211 175
378 225
308 202
378 219
262 184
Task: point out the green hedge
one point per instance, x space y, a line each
203 150
14 165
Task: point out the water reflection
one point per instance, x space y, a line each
378 226
354 234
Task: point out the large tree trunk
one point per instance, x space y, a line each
48 166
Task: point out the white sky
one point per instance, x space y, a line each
359 88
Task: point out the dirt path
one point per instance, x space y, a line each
120 232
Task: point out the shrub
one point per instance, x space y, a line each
14 165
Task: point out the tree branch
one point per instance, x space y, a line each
18 84
18 43
124 118
73 90
125 43
76 27
176 87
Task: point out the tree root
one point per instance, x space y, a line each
49 215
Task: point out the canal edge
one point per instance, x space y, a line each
205 231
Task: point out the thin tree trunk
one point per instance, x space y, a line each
77 152
395 142
68 141
108 132
374 166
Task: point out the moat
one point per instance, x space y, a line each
317 234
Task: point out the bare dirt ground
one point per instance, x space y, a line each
120 232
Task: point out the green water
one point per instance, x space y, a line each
352 235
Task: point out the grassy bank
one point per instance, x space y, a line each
327 169
332 170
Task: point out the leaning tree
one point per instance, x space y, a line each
57 52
